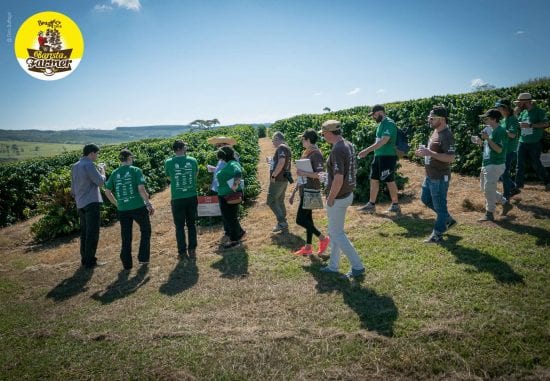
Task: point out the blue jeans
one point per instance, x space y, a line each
507 183
434 196
530 152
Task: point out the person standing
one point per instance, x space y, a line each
493 139
510 123
438 156
310 181
384 162
132 202
183 171
85 182
279 175
230 194
532 121
341 171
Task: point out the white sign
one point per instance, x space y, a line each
208 206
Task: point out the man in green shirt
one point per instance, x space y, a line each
532 121
126 190
183 171
494 140
384 162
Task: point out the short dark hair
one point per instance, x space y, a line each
311 135
90 148
226 153
440 110
124 154
179 145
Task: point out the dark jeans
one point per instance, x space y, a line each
230 216
127 218
507 183
434 196
304 218
530 152
184 212
89 233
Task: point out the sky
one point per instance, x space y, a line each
151 62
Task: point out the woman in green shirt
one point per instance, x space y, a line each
229 190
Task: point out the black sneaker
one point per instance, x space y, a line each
231 244
450 223
369 207
506 207
487 217
514 191
434 238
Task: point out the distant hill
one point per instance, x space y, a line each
118 135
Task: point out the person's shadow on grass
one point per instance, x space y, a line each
123 286
288 240
542 235
184 276
234 262
483 262
376 312
71 286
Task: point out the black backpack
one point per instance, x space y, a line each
402 143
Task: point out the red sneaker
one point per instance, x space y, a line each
323 245
304 251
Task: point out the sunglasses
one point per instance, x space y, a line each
435 117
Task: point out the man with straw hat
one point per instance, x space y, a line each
532 121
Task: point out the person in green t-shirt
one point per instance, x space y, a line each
384 162
183 171
510 123
229 190
494 140
126 190
532 121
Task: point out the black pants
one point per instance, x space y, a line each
304 218
184 212
127 218
230 216
530 152
89 233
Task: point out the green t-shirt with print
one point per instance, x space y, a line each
124 182
182 171
511 125
490 156
386 128
533 116
232 170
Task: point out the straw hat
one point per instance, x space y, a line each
221 140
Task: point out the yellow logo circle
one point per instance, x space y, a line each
49 46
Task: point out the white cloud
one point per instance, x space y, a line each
520 32
380 91
318 94
354 91
133 5
477 82
103 8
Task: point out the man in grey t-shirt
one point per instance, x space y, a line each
438 156
85 182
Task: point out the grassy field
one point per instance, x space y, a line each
11 150
475 307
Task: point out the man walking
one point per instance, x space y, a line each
341 170
279 174
385 160
183 171
532 121
85 182
438 156
132 202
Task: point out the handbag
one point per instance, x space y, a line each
234 198
312 199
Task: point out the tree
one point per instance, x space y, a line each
480 85
327 109
204 124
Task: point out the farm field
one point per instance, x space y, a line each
12 150
474 307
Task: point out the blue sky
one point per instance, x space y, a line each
173 61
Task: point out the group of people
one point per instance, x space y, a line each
509 135
125 188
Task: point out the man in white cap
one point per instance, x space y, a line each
533 121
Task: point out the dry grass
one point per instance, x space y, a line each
258 312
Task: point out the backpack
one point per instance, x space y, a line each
402 143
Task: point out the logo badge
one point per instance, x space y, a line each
49 46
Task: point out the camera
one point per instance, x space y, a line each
288 176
